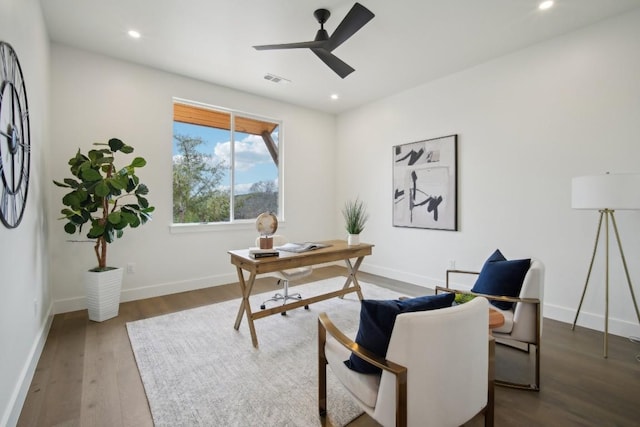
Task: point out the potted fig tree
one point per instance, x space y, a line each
104 199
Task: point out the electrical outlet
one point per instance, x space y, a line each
131 268
452 264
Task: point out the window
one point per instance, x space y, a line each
225 165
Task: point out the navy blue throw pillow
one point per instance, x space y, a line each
427 302
501 277
377 318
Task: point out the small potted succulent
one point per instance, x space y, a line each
106 200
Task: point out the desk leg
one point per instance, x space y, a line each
353 269
245 307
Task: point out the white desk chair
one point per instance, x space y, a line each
285 276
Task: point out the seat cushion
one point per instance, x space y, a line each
501 277
363 386
507 327
377 318
294 273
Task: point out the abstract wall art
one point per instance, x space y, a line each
425 184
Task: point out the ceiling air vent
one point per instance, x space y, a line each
276 79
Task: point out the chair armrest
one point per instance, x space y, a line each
327 325
489 297
455 271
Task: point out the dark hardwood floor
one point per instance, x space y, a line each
87 375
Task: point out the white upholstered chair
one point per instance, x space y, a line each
522 328
435 373
285 276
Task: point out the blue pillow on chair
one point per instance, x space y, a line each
501 277
377 318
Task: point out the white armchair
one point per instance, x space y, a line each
523 322
436 370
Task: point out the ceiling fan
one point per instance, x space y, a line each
324 44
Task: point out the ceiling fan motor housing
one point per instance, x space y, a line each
322 15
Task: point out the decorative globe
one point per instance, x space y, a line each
266 223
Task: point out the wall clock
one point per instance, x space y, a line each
15 143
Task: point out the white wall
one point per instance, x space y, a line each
25 298
95 98
527 123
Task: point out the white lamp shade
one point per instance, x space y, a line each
610 191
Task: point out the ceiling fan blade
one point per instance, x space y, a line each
357 17
340 67
300 45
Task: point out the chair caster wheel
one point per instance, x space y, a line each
284 313
262 307
306 307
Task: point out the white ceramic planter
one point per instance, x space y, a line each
353 239
103 293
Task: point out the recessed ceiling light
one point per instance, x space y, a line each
134 34
545 5
334 96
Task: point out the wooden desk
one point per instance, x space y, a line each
339 250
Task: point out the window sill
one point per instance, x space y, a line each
215 227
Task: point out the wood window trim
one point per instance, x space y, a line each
192 114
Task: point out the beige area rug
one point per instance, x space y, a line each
197 370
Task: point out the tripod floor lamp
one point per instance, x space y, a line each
606 194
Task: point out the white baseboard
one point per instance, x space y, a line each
79 303
563 314
19 395
595 321
403 276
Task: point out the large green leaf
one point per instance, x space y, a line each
70 228
90 175
138 162
96 231
144 217
71 200
72 183
114 217
143 202
109 234
134 222
142 189
115 144
102 189
117 183
128 216
121 225
95 155
104 161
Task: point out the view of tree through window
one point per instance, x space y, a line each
225 165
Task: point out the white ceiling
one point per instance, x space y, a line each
409 42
